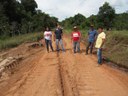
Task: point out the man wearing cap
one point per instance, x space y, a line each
92 34
75 38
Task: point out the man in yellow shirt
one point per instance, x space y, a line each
99 44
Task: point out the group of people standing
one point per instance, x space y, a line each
94 38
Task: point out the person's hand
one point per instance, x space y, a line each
79 41
100 48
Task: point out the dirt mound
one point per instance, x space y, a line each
10 58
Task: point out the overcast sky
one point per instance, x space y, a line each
65 8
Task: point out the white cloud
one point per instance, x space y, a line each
66 8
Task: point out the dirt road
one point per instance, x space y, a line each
64 74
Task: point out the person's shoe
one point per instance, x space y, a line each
64 51
78 51
91 53
57 50
98 65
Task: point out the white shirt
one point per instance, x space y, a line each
48 35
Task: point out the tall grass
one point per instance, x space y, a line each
17 40
117 47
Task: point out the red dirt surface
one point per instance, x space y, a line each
63 74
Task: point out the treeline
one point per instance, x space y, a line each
106 18
21 17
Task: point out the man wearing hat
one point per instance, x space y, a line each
92 34
75 38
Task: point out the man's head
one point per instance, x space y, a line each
100 29
75 28
58 26
92 27
47 29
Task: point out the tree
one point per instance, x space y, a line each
106 16
79 20
22 17
29 5
4 25
121 21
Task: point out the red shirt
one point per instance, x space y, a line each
76 36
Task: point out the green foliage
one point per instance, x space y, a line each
29 5
121 21
78 20
106 15
22 17
15 41
117 47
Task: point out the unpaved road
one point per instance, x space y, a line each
64 74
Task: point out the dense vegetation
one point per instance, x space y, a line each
21 16
106 17
117 47
13 42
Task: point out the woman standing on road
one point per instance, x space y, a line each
48 39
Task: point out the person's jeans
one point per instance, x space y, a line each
76 46
48 43
61 43
99 54
90 44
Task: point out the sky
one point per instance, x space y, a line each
66 8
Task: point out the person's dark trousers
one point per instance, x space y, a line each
99 55
48 43
90 45
61 43
76 46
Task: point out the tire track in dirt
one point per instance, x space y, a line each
68 74
43 79
82 77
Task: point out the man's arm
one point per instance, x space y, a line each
44 36
96 34
62 33
71 37
51 36
103 41
88 36
80 37
54 36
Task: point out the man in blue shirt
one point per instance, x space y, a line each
92 34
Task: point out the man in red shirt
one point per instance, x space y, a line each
75 38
